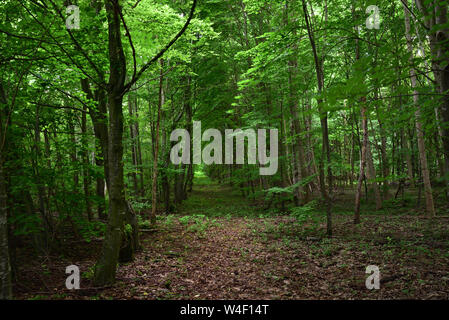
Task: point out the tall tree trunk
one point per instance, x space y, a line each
310 147
47 224
430 209
406 146
436 19
101 147
133 136
105 268
5 266
86 176
326 153
98 116
372 176
189 119
362 163
138 148
156 149
363 151
384 157
73 151
302 192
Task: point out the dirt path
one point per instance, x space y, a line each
223 250
232 257
207 258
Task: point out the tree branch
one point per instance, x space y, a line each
161 53
128 34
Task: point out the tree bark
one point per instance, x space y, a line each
133 136
86 175
372 176
98 116
326 153
106 267
362 163
430 209
436 20
156 149
302 192
363 151
5 265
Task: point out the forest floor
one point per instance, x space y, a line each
222 246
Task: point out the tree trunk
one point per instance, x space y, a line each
326 153
156 149
435 19
384 157
133 136
430 209
5 266
86 175
106 267
98 116
372 176
302 192
138 148
362 163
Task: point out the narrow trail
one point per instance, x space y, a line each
225 261
229 254
219 247
226 251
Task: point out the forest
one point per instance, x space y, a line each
120 179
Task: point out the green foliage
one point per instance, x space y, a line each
93 229
197 223
89 274
128 229
143 223
139 206
26 224
308 216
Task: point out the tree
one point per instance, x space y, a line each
419 128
